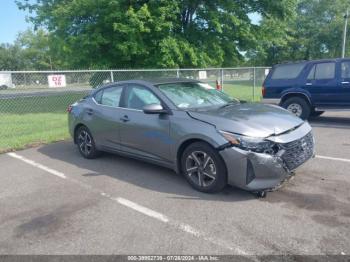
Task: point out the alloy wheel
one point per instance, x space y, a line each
85 142
201 169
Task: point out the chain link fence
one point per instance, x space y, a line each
33 103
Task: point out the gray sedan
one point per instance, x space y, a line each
194 129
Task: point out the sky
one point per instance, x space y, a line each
13 21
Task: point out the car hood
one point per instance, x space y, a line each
256 120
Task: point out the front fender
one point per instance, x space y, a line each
184 129
297 91
216 141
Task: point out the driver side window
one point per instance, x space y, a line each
139 96
322 71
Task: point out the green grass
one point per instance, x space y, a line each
43 119
34 120
20 131
243 92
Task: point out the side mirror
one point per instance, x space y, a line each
154 109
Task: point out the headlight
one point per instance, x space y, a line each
259 145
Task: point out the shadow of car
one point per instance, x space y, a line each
141 174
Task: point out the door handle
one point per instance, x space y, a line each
125 119
90 112
309 84
345 82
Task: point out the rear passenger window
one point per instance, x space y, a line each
109 96
287 71
345 69
322 71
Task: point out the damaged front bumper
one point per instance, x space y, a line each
259 171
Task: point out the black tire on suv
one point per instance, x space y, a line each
298 106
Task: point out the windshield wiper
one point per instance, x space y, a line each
230 103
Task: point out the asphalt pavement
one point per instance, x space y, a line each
52 201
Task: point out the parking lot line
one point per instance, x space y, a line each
333 158
144 210
181 226
37 165
141 209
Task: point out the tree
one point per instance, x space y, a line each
314 32
30 51
319 27
11 58
152 33
35 49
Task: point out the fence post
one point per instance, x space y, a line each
112 77
254 82
222 79
177 73
25 80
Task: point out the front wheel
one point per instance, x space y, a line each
297 106
86 143
203 168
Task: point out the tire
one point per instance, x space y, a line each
298 106
86 144
204 168
316 113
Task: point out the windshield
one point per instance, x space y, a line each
194 95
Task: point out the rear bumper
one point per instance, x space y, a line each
258 171
71 125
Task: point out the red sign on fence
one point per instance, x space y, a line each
57 80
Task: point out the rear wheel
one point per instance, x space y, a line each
86 143
203 168
297 106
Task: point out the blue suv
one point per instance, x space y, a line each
309 88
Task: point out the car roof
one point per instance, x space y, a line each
311 61
159 81
152 81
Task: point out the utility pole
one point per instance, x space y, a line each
345 31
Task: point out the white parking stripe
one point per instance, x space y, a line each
30 162
144 210
141 209
183 227
333 158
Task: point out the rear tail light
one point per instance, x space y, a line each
69 108
263 91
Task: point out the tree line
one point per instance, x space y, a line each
95 34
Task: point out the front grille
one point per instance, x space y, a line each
298 151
